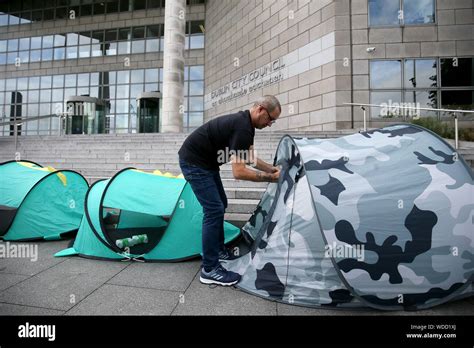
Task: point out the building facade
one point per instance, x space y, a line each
107 58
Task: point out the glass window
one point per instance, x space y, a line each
124 47
123 76
195 119
69 92
3 58
33 96
153 31
94 79
94 92
3 45
14 19
62 13
11 58
418 11
422 99
22 83
96 50
72 39
111 48
154 3
24 56
420 73
196 103
46 54
135 90
112 6
3 19
45 95
48 14
151 75
83 91
151 87
36 42
457 72
58 81
48 41
97 37
99 8
25 43
138 46
70 80
86 10
46 81
458 100
33 110
111 35
122 105
123 91
12 45
137 76
385 98
84 51
138 32
34 82
37 16
383 12
71 52
124 6
124 34
196 72
35 56
85 38
152 45
196 88
45 108
197 41
139 4
59 53
59 40
83 79
385 74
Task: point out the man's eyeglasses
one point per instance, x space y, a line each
270 119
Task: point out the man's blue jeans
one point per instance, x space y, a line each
207 186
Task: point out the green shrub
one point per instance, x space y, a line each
444 129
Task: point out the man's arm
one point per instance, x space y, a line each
260 164
241 172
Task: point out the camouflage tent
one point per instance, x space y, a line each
382 219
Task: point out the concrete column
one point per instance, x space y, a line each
173 66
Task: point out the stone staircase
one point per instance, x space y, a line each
101 156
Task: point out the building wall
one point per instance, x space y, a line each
256 32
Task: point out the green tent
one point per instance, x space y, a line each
39 202
160 211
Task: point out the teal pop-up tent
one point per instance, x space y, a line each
39 202
161 212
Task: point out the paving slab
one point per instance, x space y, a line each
11 309
160 276
7 280
63 285
28 265
126 300
202 299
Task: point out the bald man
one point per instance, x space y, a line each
223 139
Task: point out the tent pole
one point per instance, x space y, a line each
365 118
456 137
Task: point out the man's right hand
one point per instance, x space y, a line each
275 176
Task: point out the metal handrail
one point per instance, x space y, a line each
454 111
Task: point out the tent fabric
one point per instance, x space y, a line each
39 202
380 218
133 202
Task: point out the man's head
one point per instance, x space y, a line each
265 111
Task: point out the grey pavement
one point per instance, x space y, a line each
79 286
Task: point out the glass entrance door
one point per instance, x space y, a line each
85 115
148 115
